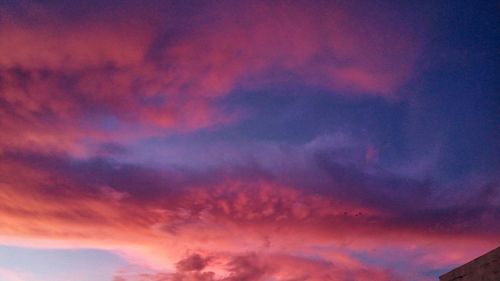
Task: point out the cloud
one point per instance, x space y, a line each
225 224
133 71
253 267
80 85
194 262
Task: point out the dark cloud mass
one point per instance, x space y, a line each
250 140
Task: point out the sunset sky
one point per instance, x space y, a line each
247 140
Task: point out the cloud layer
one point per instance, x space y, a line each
283 227
99 73
122 128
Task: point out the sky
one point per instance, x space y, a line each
247 140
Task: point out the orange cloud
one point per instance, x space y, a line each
293 232
253 267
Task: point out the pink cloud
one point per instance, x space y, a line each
254 267
68 84
208 229
151 75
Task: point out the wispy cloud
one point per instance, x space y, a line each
101 75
